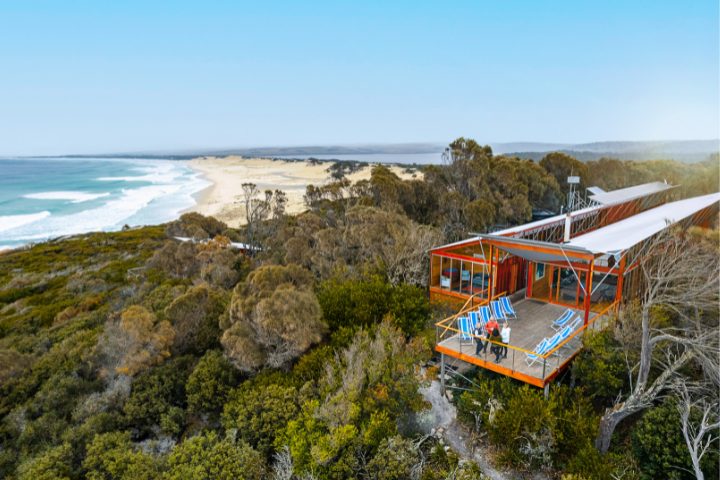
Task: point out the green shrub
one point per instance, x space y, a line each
589 464
311 366
53 464
210 383
529 431
154 395
258 412
659 446
113 456
394 459
205 457
366 301
601 367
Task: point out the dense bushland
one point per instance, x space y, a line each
134 355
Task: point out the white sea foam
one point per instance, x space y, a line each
73 197
106 217
9 222
166 192
159 172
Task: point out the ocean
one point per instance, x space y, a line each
44 198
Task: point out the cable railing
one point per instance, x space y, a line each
592 324
473 302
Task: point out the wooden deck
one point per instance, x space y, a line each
532 325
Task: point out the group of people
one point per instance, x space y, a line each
492 333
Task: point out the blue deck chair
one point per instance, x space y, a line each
576 323
507 307
566 332
484 312
464 327
561 321
540 349
497 311
557 339
474 320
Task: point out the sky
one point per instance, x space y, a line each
127 76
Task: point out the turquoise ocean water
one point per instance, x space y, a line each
43 198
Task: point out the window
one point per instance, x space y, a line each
539 271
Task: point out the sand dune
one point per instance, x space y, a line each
223 200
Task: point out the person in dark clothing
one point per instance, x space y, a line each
496 349
480 338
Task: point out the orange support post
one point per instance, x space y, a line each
620 280
531 276
588 291
491 277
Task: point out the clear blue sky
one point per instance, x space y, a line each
106 76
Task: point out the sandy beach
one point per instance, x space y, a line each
223 199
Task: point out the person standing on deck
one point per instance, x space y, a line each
495 337
491 325
480 338
505 336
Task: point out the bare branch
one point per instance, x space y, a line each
681 277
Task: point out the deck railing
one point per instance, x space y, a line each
593 323
447 324
550 362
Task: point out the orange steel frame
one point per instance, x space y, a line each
508 273
584 264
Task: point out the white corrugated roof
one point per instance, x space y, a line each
629 193
626 233
544 221
614 196
601 197
595 190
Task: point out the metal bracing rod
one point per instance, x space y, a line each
463 389
464 378
573 270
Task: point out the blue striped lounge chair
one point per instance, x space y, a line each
576 323
507 307
497 311
557 339
562 320
566 332
474 320
540 349
484 312
464 327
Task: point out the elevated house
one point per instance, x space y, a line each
556 277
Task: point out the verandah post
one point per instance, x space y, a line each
588 290
620 280
531 276
491 277
496 266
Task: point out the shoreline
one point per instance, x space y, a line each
201 195
223 198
